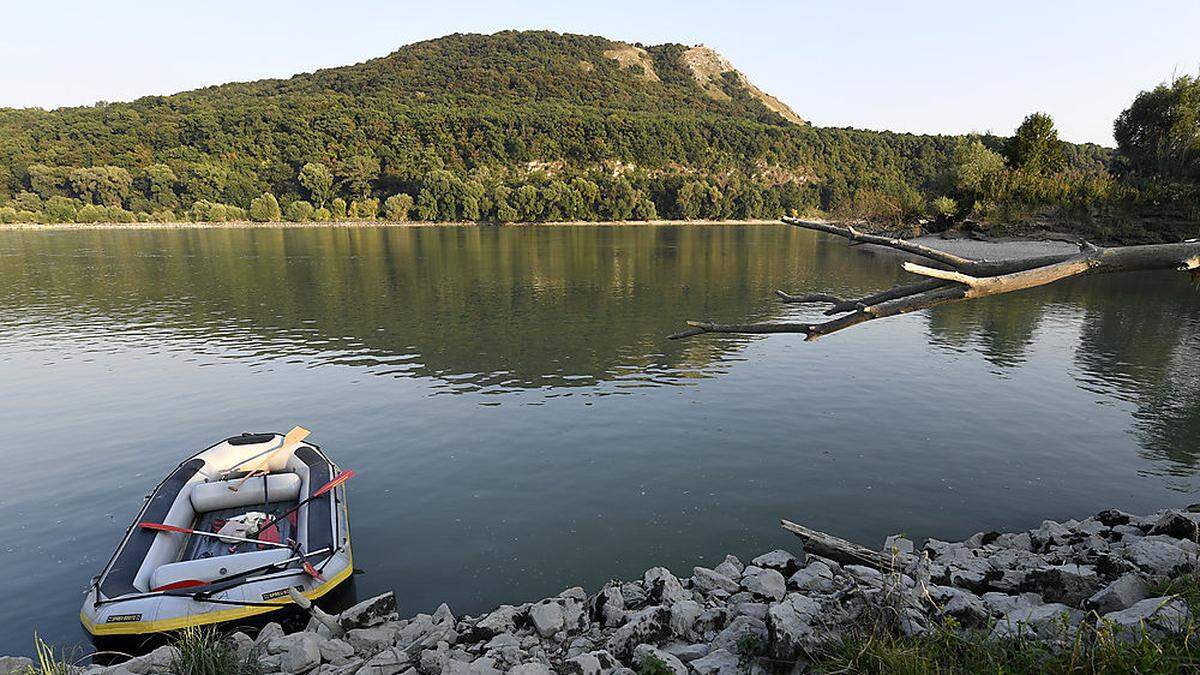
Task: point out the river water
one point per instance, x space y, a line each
519 422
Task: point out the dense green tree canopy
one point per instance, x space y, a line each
265 209
502 127
1159 134
317 179
1035 146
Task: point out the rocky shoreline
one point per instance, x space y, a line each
774 613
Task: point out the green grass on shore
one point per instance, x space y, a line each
1095 648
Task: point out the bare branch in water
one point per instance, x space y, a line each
952 278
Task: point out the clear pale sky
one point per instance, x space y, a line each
934 67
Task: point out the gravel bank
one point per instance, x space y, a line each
998 249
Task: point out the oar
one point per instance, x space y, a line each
226 583
290 441
312 571
337 480
192 583
222 580
184 530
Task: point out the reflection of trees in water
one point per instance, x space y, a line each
1139 340
475 307
1001 329
1145 348
518 308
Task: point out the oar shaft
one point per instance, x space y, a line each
256 570
334 482
216 535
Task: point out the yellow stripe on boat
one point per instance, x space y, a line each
219 616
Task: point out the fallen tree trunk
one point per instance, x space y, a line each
952 278
843 552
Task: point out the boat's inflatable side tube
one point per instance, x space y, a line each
215 496
320 510
211 569
124 569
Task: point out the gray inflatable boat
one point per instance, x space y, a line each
225 536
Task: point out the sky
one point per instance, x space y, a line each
921 67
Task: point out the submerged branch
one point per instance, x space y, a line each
954 279
810 298
885 296
698 327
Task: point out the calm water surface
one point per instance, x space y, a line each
518 421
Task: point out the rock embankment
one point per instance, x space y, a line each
777 609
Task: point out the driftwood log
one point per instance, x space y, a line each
844 552
952 278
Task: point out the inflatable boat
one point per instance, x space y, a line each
234 531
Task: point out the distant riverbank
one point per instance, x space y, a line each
993 249
245 224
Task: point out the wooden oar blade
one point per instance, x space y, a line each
290 440
337 480
296 435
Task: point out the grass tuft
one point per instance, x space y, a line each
204 651
652 665
1095 648
48 662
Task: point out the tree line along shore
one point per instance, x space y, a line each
542 127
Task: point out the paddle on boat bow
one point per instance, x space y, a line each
292 439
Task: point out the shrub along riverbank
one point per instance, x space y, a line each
1113 592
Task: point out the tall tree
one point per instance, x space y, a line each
690 199
528 203
977 171
1035 146
357 174
1159 134
158 183
318 180
502 199
557 196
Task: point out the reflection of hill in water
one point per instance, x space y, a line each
515 308
474 307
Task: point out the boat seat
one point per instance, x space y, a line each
211 569
214 496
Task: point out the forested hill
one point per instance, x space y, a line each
518 68
515 125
